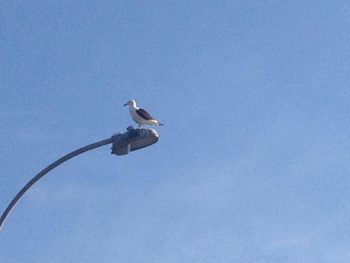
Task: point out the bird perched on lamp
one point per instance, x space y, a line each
140 116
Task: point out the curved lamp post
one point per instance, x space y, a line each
131 140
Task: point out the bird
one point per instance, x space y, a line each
140 116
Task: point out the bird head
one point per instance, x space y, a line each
131 103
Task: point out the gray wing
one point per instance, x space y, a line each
144 114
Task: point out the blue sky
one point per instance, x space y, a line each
252 164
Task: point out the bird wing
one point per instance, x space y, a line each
144 114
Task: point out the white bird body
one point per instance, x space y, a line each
140 116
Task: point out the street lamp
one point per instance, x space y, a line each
131 140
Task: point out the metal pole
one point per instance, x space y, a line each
45 171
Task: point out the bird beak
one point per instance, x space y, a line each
125 104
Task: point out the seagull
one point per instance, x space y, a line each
140 116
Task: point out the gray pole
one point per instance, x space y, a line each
45 171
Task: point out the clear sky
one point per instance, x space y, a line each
252 164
